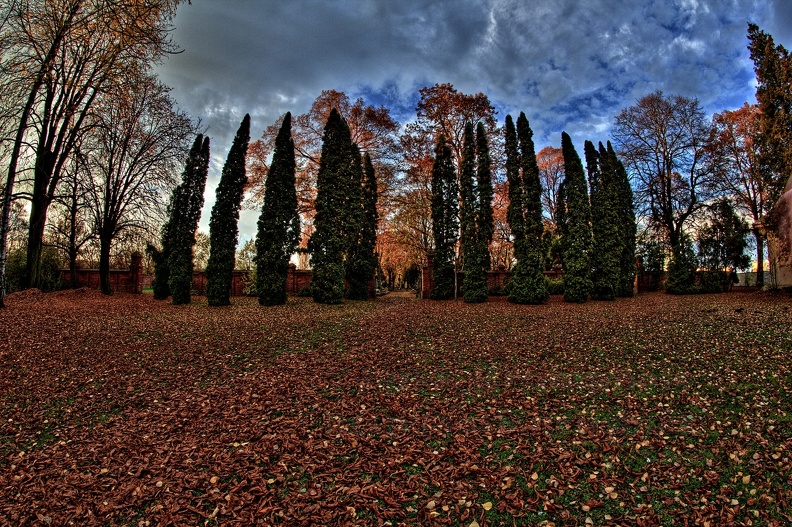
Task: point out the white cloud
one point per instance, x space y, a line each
569 65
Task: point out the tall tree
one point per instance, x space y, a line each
576 233
372 128
337 219
627 226
279 223
739 170
91 46
469 236
223 224
173 264
527 284
136 139
363 261
443 110
514 179
27 62
484 195
479 230
71 229
607 243
445 223
551 173
773 67
663 143
177 209
722 239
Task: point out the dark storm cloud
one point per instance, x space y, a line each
570 65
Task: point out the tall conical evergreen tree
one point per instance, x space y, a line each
467 218
363 263
445 191
607 244
337 219
176 207
484 193
576 240
355 262
223 225
514 214
627 226
279 223
528 285
180 259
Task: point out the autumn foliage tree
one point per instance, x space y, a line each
740 173
57 58
372 128
137 136
279 223
551 173
223 224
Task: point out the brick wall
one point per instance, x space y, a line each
121 280
134 281
496 280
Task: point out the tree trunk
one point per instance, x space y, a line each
39 204
759 258
73 268
5 223
104 263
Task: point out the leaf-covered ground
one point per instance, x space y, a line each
657 410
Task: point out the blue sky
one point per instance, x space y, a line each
569 65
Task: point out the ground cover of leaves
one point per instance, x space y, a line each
656 410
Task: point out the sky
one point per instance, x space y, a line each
570 65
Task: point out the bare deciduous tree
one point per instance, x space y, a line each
662 140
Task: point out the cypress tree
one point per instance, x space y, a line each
444 220
279 223
363 264
180 259
627 226
223 228
337 219
607 244
471 263
484 193
576 241
358 264
514 214
176 208
528 285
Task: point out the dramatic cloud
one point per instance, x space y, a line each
569 65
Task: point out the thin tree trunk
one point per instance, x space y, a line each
759 258
104 263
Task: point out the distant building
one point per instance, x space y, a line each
779 239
